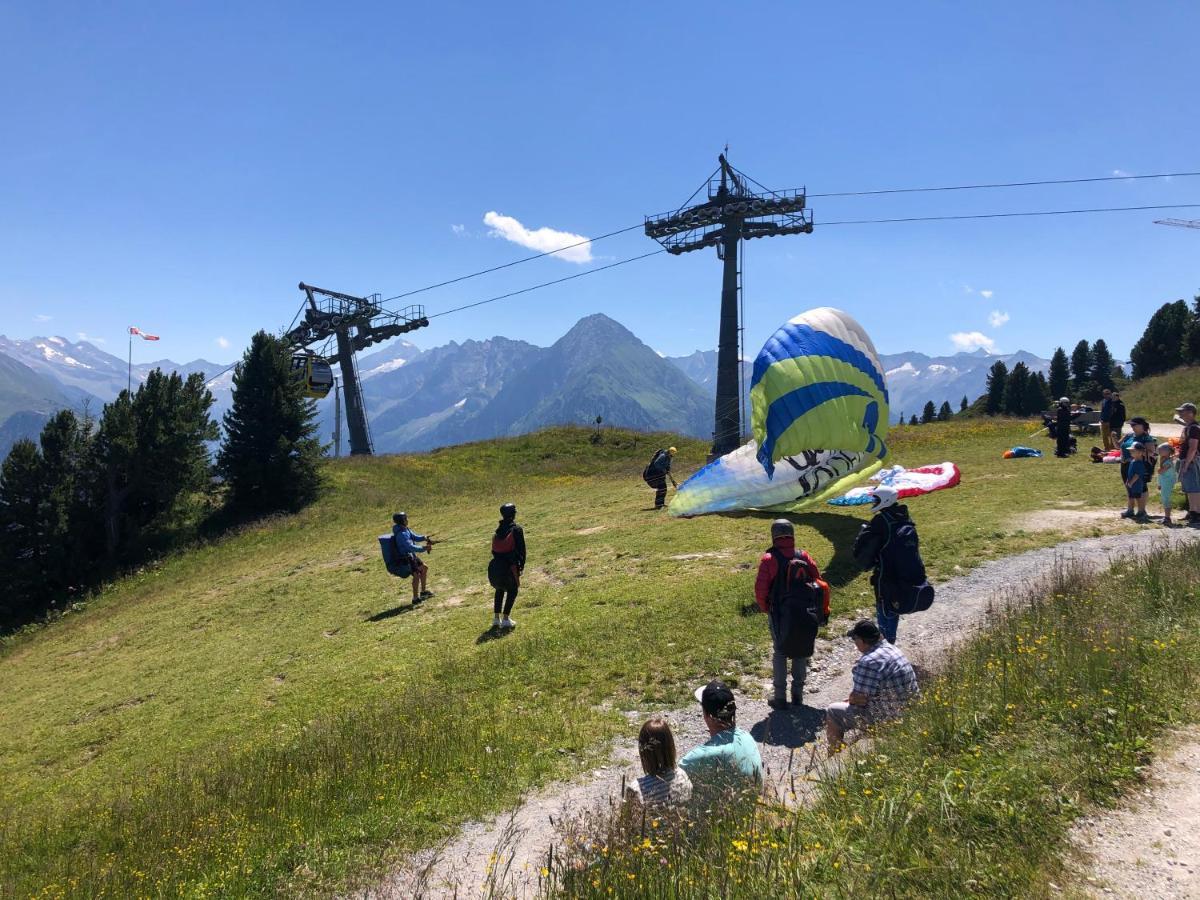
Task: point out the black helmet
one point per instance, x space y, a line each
399 518
508 511
781 527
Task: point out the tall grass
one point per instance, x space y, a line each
1052 708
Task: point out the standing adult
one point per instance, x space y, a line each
656 473
883 683
1116 417
508 562
409 543
1189 461
1139 436
1062 427
1106 438
790 591
883 536
729 760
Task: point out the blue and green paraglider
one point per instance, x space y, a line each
819 413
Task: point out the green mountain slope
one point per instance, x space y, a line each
1157 396
266 714
24 390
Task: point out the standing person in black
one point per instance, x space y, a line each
1062 428
656 474
508 562
1116 418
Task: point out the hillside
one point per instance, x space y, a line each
268 682
1157 396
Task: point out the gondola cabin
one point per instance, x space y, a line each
315 374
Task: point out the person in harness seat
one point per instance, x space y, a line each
508 562
790 591
409 544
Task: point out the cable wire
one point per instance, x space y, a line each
535 287
1003 184
1007 215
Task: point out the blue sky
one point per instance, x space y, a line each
182 166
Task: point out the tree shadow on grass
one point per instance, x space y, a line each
839 530
391 613
791 727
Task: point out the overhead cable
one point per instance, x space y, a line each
1007 215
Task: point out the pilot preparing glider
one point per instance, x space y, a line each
819 413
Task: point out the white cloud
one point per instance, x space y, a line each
459 229
1121 173
544 240
42 317
972 340
986 295
84 336
998 318
223 343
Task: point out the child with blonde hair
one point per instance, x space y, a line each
1168 474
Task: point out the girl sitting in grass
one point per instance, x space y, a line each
664 784
1168 474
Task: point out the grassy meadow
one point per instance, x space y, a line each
1156 398
267 714
1051 710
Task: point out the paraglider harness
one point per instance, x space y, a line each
504 571
799 606
900 580
399 564
657 469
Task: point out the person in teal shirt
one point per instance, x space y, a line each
729 760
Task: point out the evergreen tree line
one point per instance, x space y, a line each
933 413
1171 339
93 497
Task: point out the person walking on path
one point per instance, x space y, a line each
1139 436
1168 474
656 474
1189 461
409 543
664 784
883 683
1106 438
729 760
878 539
1062 427
508 562
1116 418
790 591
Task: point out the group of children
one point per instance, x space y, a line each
1148 460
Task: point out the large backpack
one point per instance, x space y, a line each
654 469
503 573
903 587
798 607
397 563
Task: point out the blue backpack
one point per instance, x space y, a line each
396 563
903 587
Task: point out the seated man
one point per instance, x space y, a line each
729 760
884 682
409 543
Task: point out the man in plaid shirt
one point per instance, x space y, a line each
884 682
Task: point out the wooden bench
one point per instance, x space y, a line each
1081 422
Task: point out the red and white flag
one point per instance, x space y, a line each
133 329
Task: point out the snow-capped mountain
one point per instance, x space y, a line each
913 378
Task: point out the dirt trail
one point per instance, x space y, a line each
521 837
1151 848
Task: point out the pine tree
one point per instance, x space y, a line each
22 532
1190 351
1081 365
1036 396
1102 365
1160 348
962 407
997 379
929 413
1060 374
271 455
1014 390
944 412
913 420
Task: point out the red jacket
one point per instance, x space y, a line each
768 568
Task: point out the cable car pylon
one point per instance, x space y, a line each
355 323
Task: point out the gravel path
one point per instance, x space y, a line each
1152 847
520 838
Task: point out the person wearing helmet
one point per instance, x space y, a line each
656 474
890 516
508 562
1062 427
789 579
409 543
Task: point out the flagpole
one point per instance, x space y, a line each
129 370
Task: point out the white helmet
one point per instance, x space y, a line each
882 497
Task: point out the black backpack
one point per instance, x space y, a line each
654 469
797 607
903 586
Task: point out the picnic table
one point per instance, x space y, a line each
1083 422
